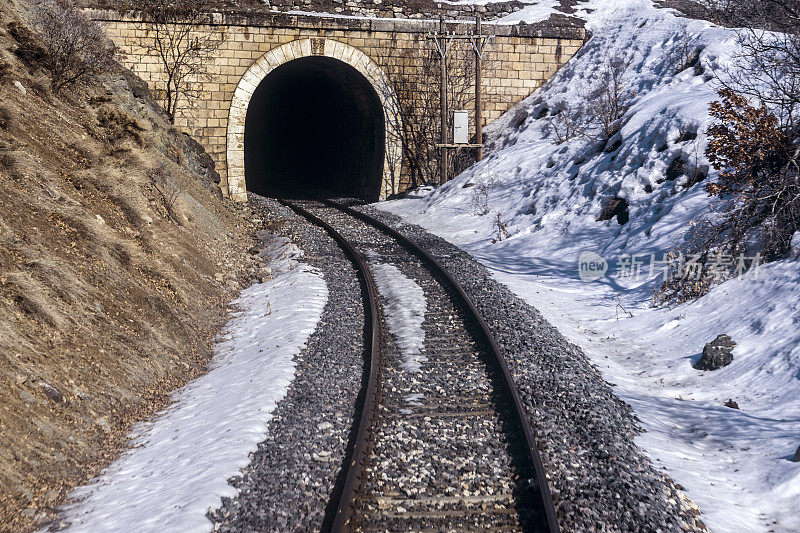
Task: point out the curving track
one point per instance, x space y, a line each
447 448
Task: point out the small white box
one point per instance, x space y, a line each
461 127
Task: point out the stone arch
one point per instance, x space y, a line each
294 50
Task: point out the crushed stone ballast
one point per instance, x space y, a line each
443 446
418 469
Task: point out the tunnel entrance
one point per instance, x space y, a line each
314 126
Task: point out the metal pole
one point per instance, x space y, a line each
443 104
478 107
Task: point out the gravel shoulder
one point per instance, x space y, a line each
289 481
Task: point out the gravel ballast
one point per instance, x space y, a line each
441 455
599 479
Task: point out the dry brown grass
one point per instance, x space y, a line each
106 304
6 118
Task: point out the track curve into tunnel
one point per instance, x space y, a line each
315 127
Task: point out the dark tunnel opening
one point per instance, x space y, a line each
314 127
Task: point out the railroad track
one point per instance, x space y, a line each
445 447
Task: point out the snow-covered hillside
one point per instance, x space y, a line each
530 210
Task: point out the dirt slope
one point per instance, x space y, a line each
117 260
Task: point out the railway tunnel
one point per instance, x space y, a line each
315 127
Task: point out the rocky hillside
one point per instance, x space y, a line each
118 257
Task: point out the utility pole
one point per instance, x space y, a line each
478 105
479 42
444 48
443 39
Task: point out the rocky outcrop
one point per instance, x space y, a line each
716 354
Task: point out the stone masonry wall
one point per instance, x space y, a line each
518 61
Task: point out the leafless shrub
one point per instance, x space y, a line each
609 100
520 117
605 103
183 51
567 123
164 184
681 289
118 126
685 53
479 197
5 70
500 229
75 46
696 172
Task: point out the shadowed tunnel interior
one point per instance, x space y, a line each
314 126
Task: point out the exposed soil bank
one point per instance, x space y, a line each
118 258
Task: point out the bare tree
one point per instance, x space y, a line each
406 125
605 102
182 50
412 101
768 66
75 46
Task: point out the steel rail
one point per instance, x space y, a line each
519 407
354 463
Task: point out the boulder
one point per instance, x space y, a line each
716 354
732 404
51 392
615 207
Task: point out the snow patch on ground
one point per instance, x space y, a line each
531 14
404 309
734 463
182 460
533 11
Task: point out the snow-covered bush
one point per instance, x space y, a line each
755 144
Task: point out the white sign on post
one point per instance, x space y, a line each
461 127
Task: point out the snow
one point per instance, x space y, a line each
182 460
734 463
532 12
404 309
